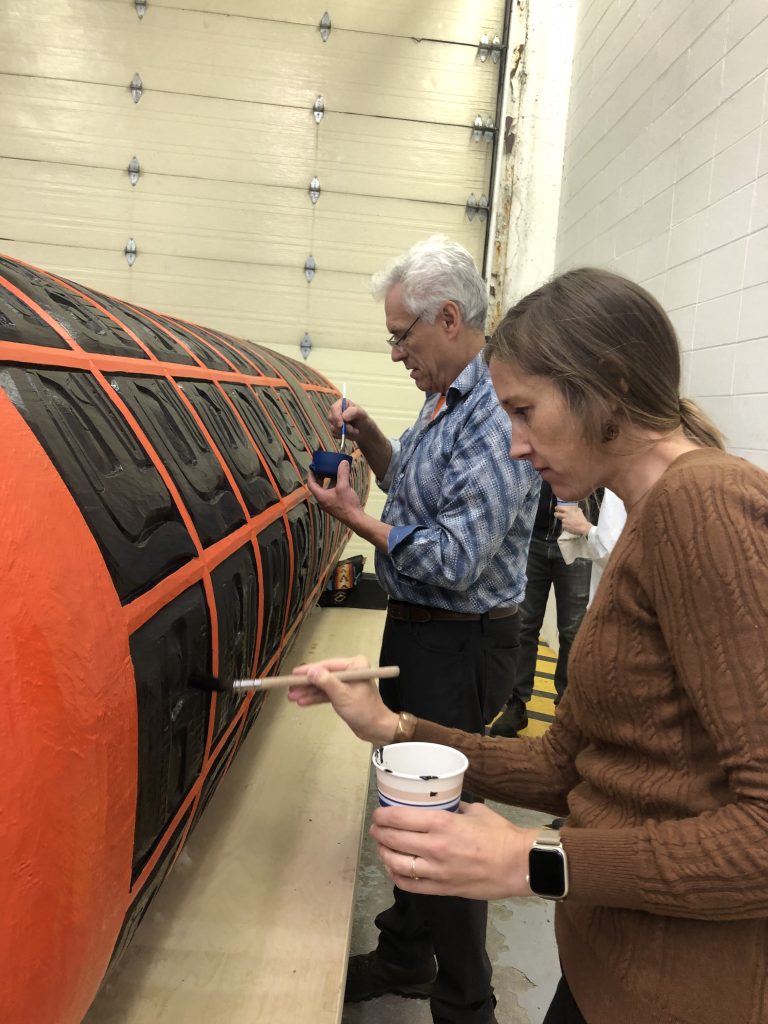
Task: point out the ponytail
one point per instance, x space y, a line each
698 427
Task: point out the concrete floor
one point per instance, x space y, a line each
521 944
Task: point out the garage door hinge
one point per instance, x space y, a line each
131 252
314 190
477 206
141 7
318 109
483 129
305 345
310 267
325 27
136 87
134 170
486 47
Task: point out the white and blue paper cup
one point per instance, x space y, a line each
419 775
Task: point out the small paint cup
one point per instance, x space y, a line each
419 775
325 465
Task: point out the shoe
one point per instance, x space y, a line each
511 720
368 976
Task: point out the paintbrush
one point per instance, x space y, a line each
343 424
210 683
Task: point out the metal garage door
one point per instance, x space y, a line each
223 122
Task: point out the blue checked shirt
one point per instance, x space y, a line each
460 508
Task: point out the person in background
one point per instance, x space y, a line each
546 570
658 755
599 539
450 554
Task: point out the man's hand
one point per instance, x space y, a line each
340 501
343 504
356 418
365 433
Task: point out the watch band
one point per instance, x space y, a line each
548 837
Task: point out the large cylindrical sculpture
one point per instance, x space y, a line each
155 524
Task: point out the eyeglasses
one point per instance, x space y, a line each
394 342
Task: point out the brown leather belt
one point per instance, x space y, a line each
403 611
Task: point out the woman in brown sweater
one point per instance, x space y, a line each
658 756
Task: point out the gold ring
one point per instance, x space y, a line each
414 876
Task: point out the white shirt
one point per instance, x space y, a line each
603 536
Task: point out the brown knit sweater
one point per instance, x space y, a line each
659 757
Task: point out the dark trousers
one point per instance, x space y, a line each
546 568
563 1008
456 673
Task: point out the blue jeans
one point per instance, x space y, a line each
546 568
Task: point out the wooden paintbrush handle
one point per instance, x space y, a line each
357 675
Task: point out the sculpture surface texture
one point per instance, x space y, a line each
156 524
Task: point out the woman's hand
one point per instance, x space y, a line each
358 704
475 853
573 519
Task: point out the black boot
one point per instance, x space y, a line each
368 976
512 719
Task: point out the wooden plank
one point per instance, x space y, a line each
204 55
198 138
253 923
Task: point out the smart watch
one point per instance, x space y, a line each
548 866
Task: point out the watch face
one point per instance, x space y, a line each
547 873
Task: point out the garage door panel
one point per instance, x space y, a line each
97 125
83 124
402 159
447 21
94 208
227 222
363 234
386 76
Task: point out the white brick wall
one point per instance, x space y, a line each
666 181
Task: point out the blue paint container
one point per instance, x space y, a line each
325 465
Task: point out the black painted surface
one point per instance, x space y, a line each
120 493
158 341
275 564
262 357
234 446
217 771
87 325
236 591
300 526
200 349
287 429
173 717
302 417
135 913
186 454
21 325
233 353
262 430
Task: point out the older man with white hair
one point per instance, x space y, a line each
451 551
